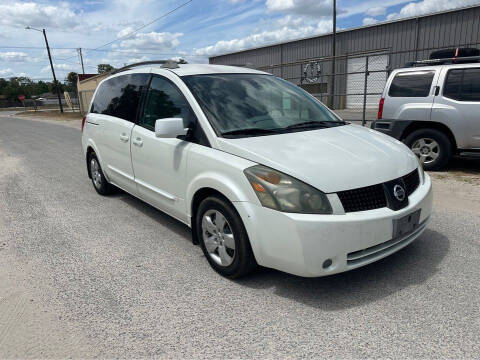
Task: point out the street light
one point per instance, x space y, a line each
51 65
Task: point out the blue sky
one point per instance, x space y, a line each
197 30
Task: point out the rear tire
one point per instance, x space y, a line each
431 146
100 183
223 238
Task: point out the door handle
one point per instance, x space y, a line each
138 142
124 138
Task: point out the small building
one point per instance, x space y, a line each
86 85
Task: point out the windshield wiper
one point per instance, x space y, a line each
314 124
250 131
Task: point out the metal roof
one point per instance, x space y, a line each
346 30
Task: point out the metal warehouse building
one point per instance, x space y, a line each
377 48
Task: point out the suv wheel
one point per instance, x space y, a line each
100 183
431 146
223 238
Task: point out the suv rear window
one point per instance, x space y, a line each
463 84
411 84
119 96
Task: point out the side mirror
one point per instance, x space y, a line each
170 128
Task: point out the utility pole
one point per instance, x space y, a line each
334 42
81 60
51 65
57 85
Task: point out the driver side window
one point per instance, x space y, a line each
164 100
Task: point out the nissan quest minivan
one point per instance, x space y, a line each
262 172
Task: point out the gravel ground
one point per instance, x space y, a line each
86 276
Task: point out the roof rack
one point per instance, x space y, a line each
443 61
166 64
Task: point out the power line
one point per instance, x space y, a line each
144 26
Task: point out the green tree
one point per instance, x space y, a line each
104 68
71 82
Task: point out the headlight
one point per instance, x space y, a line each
421 171
281 192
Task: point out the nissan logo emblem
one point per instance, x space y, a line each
399 192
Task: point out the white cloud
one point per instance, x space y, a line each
60 67
369 21
152 41
430 6
125 31
265 37
22 14
310 8
376 11
14 56
4 72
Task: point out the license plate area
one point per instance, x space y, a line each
406 224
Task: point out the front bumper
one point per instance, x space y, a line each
300 243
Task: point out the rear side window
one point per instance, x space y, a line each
411 84
120 96
463 84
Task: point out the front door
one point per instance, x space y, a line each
160 164
458 106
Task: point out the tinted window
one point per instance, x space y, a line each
164 100
463 84
411 84
120 96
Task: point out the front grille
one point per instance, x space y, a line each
361 199
373 197
411 181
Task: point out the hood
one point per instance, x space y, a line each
332 159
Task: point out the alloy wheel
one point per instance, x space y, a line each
426 149
218 237
95 172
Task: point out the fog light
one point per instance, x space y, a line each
327 263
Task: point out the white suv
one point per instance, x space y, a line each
433 109
260 170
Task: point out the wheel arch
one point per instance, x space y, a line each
418 125
199 195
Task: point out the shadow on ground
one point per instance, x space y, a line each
413 265
465 165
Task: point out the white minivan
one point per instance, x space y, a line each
262 172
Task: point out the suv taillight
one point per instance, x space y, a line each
380 109
83 121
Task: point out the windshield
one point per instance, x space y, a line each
254 105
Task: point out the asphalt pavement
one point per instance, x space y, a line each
88 276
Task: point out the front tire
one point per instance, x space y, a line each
100 183
223 238
432 147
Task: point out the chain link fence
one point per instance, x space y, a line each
357 82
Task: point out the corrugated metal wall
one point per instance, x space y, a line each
449 29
